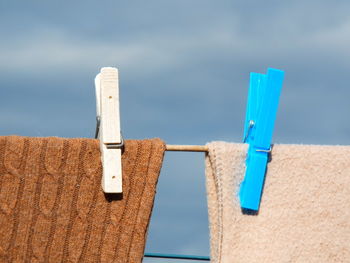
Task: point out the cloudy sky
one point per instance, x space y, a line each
184 72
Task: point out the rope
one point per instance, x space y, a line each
175 256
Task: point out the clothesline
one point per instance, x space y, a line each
186 148
168 147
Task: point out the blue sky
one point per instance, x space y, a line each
184 72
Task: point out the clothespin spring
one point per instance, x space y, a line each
116 145
250 127
109 145
263 150
98 122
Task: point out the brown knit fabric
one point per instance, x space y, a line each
52 208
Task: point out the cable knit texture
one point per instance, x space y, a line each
52 208
305 207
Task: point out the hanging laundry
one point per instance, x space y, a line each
52 207
304 211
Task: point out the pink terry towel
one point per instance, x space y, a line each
304 212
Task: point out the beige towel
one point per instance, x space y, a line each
305 207
52 208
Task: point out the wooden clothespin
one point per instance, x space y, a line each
108 128
263 99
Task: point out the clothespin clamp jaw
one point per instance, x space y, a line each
108 128
263 98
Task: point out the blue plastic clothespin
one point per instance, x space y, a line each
263 98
